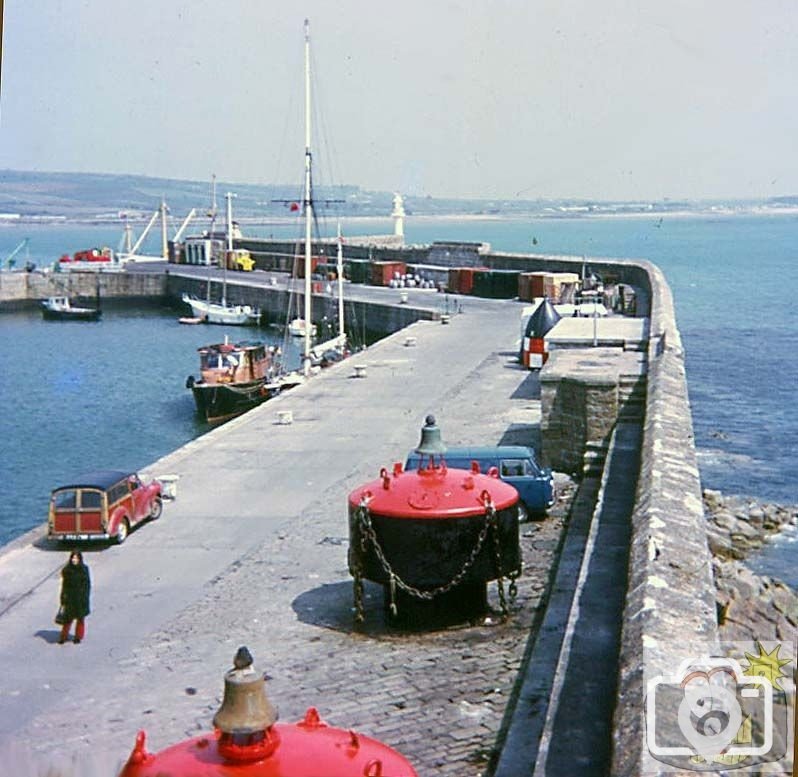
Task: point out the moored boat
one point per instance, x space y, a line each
222 312
297 327
234 378
62 309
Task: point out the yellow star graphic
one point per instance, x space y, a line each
767 665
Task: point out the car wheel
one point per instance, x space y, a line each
122 531
157 509
523 514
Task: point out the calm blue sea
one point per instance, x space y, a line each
733 278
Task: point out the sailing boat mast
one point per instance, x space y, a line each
308 205
340 274
229 197
164 242
212 214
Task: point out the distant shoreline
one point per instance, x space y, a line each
11 220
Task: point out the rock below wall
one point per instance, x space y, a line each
750 606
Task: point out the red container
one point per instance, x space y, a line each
461 279
382 273
523 287
299 266
465 280
453 281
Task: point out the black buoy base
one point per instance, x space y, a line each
460 606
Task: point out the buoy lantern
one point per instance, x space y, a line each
434 537
248 742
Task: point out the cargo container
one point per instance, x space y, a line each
359 270
299 266
461 279
559 287
382 273
496 284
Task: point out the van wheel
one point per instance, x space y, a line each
523 513
157 509
122 531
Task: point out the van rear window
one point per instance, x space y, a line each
65 500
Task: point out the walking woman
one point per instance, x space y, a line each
75 592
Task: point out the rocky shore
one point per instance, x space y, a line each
750 606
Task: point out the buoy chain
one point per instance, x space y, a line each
497 557
369 536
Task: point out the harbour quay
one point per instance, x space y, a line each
253 550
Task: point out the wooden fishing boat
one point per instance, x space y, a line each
234 378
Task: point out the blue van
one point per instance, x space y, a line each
516 465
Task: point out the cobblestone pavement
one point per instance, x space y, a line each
438 697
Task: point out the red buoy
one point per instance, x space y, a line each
433 537
248 742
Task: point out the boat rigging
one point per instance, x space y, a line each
338 342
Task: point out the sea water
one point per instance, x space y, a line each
110 394
733 279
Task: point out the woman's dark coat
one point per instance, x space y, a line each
75 590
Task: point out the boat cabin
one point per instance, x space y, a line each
235 362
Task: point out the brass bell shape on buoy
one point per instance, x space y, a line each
245 707
431 443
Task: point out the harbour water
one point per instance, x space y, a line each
78 396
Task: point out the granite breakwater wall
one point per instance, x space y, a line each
670 603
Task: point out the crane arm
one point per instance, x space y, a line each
10 257
144 233
185 223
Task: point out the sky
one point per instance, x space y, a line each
497 99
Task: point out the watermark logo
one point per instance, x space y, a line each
721 712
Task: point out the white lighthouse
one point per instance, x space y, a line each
398 216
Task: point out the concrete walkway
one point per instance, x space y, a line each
253 551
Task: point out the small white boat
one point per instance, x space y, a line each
297 328
62 309
222 313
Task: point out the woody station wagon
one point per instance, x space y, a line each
102 505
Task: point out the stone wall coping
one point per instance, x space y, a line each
670 612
